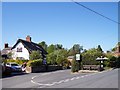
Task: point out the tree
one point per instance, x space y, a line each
35 55
75 49
112 61
99 48
58 57
51 48
58 46
51 58
61 57
89 56
115 48
43 44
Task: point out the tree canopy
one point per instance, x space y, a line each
35 55
89 56
75 49
43 44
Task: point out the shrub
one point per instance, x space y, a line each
118 62
29 63
75 66
112 61
34 63
20 62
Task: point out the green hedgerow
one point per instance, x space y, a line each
34 63
20 62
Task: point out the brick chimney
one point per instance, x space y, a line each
6 45
28 38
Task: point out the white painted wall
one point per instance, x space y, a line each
24 53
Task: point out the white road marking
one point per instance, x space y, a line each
34 77
82 76
45 74
54 83
66 80
42 87
77 77
73 78
52 72
61 81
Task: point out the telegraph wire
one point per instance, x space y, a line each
95 12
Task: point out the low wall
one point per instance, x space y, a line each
90 67
43 68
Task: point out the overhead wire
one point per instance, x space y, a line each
95 12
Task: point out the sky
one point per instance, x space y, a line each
63 23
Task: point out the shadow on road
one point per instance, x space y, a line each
14 74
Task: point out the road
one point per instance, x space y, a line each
63 79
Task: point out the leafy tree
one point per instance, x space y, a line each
61 57
43 44
112 61
35 55
114 49
75 49
58 57
51 58
51 48
89 56
58 46
99 48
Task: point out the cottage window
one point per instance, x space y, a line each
19 49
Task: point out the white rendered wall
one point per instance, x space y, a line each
24 53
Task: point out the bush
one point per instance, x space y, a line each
34 63
118 62
112 62
75 66
20 62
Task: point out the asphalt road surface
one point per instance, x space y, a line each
63 79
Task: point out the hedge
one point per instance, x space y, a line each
75 66
34 63
20 62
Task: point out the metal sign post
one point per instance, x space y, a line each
78 59
101 60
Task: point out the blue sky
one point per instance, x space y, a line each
63 23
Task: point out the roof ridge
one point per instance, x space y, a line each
30 45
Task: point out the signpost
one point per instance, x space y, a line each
101 59
78 59
77 56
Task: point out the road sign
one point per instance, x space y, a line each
77 56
